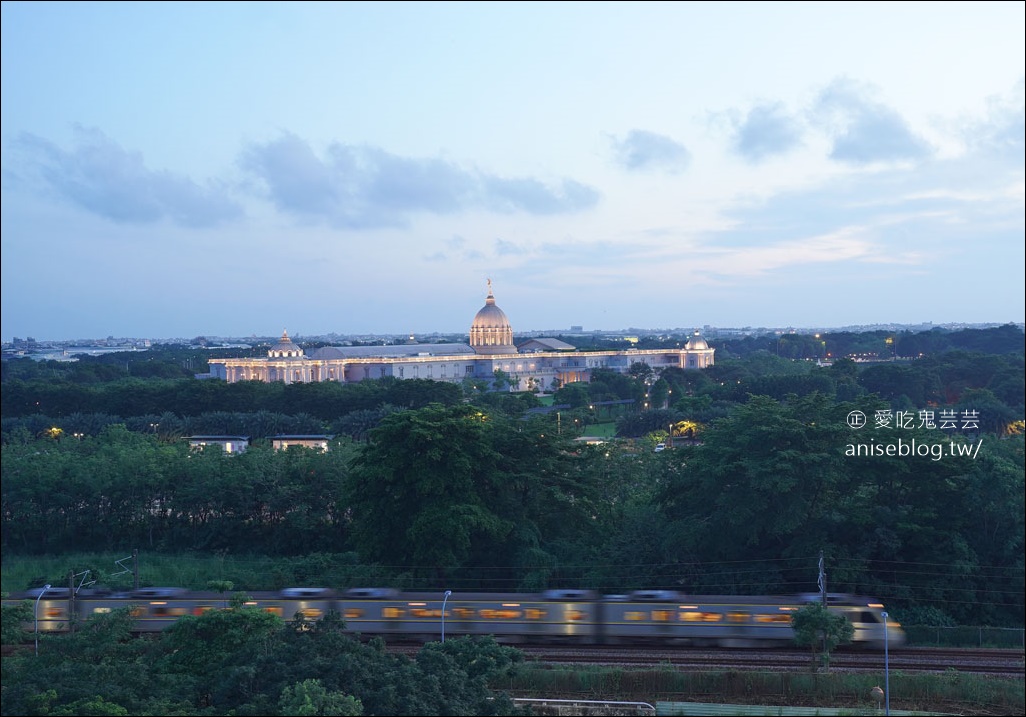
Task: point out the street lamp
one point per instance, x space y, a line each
887 675
35 614
444 599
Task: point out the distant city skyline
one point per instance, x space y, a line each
714 332
232 169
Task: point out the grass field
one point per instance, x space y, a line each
600 430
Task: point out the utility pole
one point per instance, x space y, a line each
823 594
71 601
821 581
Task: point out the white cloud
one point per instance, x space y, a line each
641 150
863 129
101 177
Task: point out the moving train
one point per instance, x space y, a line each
570 616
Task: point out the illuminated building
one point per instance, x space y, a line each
537 364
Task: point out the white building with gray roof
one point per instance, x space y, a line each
537 364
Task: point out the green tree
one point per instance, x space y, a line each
766 481
244 661
309 697
444 487
501 380
821 630
641 371
576 394
419 488
12 630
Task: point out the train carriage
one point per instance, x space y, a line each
510 617
576 616
701 620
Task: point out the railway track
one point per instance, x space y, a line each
996 662
992 662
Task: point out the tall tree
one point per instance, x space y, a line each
821 630
443 487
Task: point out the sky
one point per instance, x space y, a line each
238 169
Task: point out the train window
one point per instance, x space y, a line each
426 612
634 615
311 613
576 614
662 615
392 612
137 611
701 616
201 609
463 612
275 610
774 618
352 613
165 611
867 616
54 612
738 616
506 614
533 613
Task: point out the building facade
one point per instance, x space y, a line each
537 364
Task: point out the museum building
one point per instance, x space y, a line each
536 364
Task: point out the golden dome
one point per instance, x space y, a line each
490 333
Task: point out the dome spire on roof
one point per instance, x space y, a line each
696 342
285 348
490 333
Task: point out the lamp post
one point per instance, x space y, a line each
35 614
444 599
887 675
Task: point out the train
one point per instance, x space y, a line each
553 616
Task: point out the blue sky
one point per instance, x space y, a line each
231 169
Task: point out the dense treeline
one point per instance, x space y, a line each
176 361
122 488
992 385
882 344
1007 339
430 482
245 661
189 397
473 499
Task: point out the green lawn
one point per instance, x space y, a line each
600 430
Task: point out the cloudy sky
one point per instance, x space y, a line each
183 169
